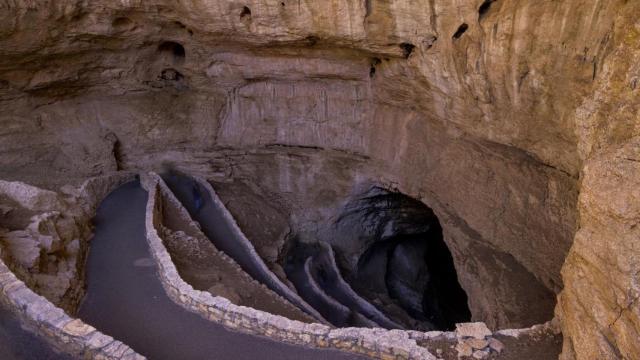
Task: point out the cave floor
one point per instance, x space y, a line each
125 298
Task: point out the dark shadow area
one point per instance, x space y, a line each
313 270
404 265
246 12
407 49
173 50
484 8
461 30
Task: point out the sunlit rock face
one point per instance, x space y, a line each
500 116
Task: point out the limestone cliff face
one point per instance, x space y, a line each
491 112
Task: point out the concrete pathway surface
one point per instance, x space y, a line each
19 344
125 298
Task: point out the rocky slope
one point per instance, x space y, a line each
515 121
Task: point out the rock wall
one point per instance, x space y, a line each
473 107
45 234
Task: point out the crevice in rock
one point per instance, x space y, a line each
311 40
484 8
372 69
123 24
245 13
461 30
118 154
367 8
407 49
173 50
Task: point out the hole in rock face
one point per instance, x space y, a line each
372 69
246 12
172 50
122 24
311 40
484 8
403 263
407 49
460 31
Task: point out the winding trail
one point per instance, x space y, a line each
201 204
126 300
17 343
324 270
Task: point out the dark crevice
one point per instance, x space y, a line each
174 50
367 8
461 30
118 154
311 40
122 24
404 264
407 49
484 8
372 69
246 12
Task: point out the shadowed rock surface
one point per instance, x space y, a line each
313 271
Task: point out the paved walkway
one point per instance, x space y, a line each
19 344
125 298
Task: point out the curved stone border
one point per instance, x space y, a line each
192 228
364 307
51 323
274 282
65 333
377 343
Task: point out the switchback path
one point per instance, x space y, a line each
125 298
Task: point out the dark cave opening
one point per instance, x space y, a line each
484 8
404 265
246 12
173 50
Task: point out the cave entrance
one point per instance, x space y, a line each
403 263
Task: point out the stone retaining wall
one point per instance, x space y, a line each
40 316
65 333
191 228
377 343
275 282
